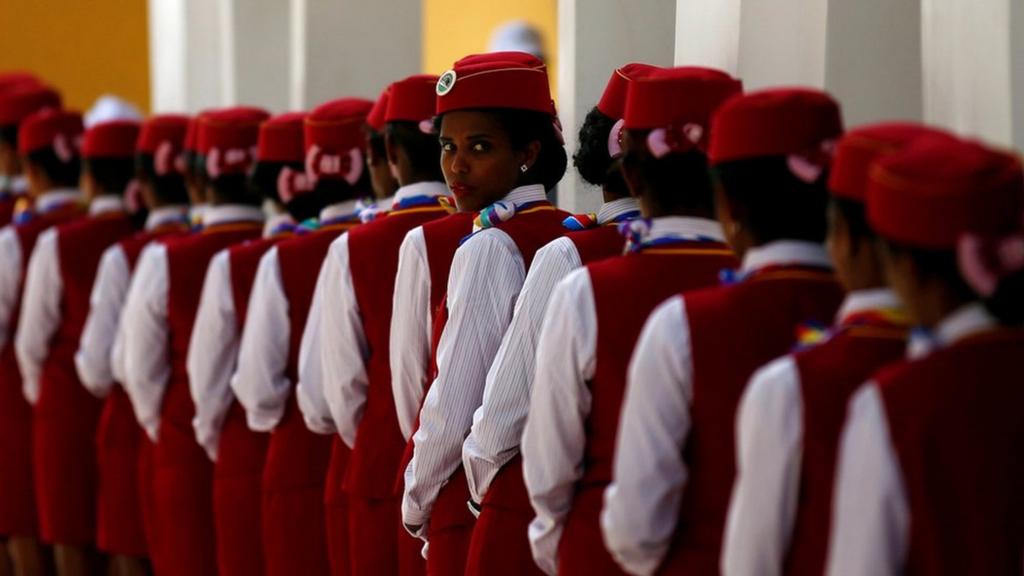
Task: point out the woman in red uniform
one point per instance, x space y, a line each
501 150
596 313
929 474
123 528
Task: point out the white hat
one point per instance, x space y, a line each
109 107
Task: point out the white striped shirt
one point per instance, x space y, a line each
41 305
93 358
486 275
498 422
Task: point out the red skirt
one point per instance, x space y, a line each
17 488
336 510
294 534
64 426
183 506
581 549
119 528
451 527
146 477
237 496
500 545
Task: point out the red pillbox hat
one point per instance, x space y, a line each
192 133
22 100
280 138
375 118
776 122
59 129
613 101
229 128
334 140
163 137
676 104
513 80
412 99
938 189
227 138
156 130
10 80
858 149
337 126
113 139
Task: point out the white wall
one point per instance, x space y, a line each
352 47
595 37
185 55
873 60
865 52
972 67
255 41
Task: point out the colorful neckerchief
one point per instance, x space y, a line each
25 212
448 204
282 229
588 221
502 211
874 322
638 231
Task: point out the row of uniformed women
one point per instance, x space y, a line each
357 381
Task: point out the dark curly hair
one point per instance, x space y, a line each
592 160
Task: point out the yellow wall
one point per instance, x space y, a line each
455 28
85 48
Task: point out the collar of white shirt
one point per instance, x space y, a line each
963 322
418 189
219 214
276 221
346 208
785 253
13 184
51 199
106 204
525 195
166 214
611 210
864 300
197 211
684 227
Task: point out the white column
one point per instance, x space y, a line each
185 55
972 60
255 43
867 53
708 34
594 38
874 59
352 47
